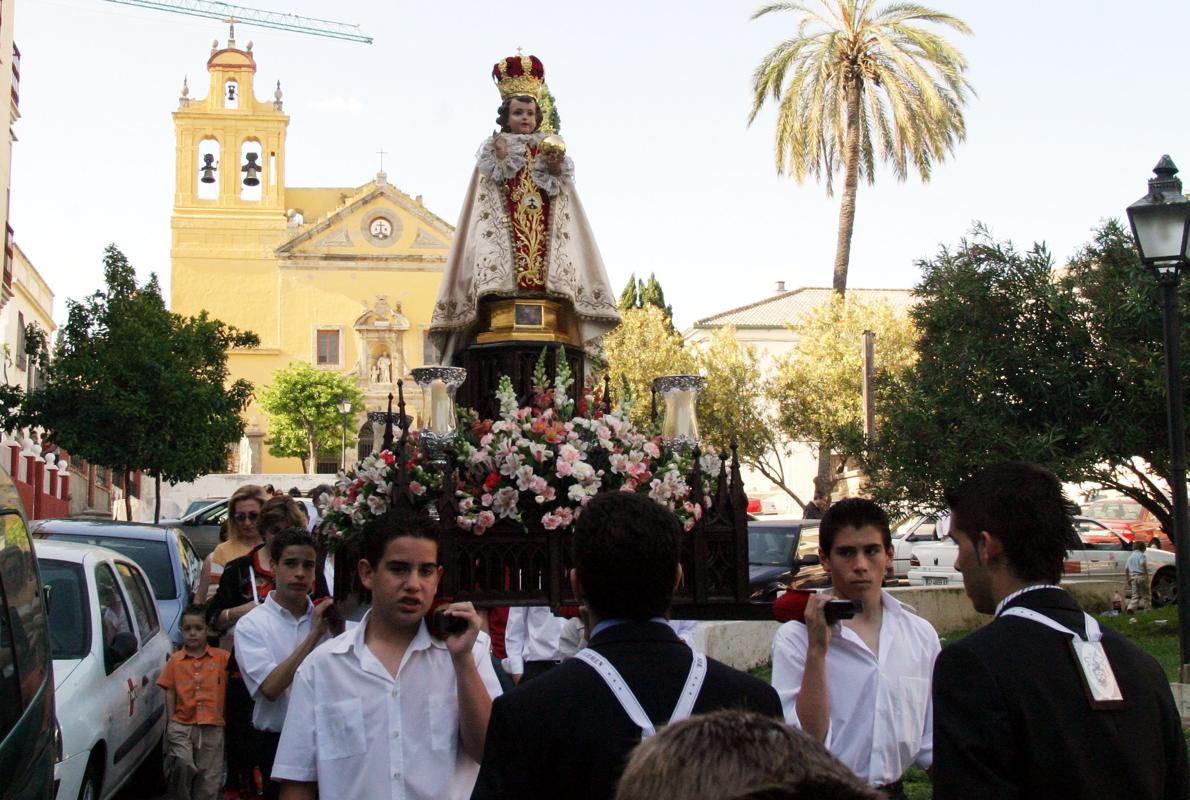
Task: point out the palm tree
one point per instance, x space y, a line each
862 81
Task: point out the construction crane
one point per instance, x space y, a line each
255 16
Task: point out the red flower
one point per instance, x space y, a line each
387 457
490 482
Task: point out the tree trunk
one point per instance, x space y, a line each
157 499
311 441
128 495
850 186
825 480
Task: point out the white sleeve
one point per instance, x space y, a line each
685 629
789 665
252 653
297 752
501 169
516 632
925 752
482 651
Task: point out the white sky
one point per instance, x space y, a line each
1077 101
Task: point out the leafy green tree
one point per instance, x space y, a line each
630 297
135 387
651 294
861 82
642 347
1018 362
304 401
736 404
818 387
551 121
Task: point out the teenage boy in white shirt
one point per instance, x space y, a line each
272 639
861 686
386 709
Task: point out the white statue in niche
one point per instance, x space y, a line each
384 366
375 373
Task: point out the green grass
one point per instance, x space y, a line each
1155 632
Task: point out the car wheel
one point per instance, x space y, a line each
90 788
1164 588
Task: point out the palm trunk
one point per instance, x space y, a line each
850 186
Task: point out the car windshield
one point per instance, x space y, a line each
70 617
152 557
198 505
771 547
1115 509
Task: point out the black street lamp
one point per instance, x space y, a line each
344 409
1161 226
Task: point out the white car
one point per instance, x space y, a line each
1102 558
108 646
908 535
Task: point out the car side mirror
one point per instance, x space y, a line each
122 648
810 560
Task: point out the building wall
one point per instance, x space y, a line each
9 100
32 301
292 261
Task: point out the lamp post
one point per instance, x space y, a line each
344 410
1161 226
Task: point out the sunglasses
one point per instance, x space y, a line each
245 516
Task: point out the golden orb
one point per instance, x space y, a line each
552 146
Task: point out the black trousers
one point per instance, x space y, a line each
535 668
265 749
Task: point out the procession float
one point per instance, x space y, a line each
514 434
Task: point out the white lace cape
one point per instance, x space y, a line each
481 262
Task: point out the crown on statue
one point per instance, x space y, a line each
519 75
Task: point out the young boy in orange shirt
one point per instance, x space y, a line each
195 683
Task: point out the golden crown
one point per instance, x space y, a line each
519 75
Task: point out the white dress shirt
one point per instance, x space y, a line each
360 733
264 637
532 633
881 713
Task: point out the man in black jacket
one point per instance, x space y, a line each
1041 702
569 732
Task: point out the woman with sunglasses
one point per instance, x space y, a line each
245 505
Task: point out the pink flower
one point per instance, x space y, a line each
416 488
652 450
485 518
464 522
551 522
564 469
486 500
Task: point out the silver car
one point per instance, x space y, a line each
164 553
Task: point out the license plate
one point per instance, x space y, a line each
937 581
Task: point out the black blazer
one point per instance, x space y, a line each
1011 719
564 734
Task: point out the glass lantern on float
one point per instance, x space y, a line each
680 393
439 419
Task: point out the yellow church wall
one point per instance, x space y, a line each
363 260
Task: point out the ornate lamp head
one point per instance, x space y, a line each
519 75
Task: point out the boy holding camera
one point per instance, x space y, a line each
861 686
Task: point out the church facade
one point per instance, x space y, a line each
343 279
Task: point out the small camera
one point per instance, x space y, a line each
836 610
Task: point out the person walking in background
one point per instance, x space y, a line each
1042 703
275 637
195 683
1136 569
818 506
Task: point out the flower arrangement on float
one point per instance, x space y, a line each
536 465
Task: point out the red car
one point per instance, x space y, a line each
1129 517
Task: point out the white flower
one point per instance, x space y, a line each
377 503
504 503
576 493
512 463
524 478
